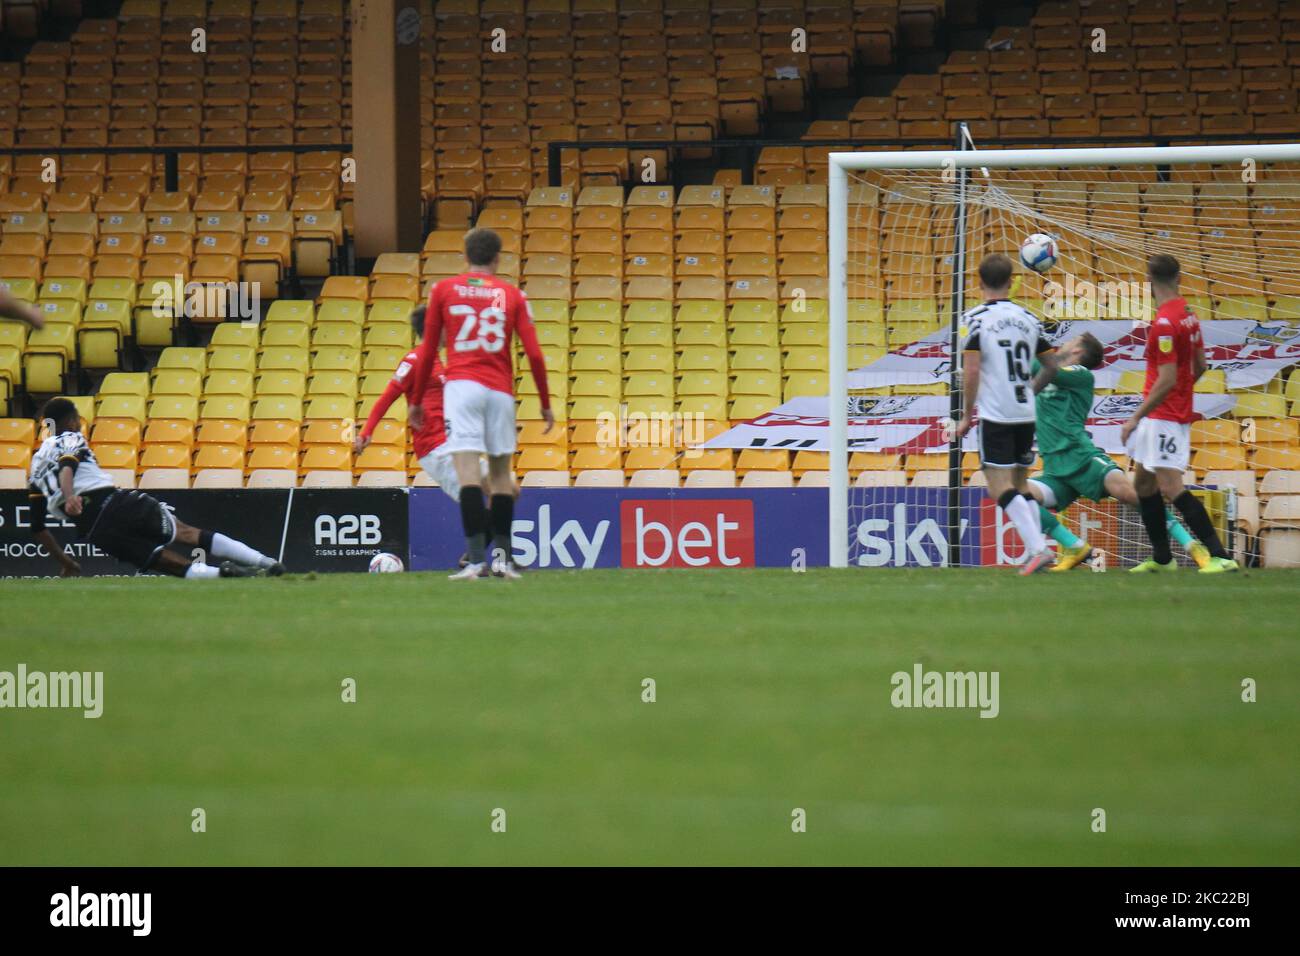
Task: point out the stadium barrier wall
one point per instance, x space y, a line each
341 529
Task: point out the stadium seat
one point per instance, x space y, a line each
327 479
545 479
1280 532
272 478
599 478
164 478
655 478
710 478
219 478
381 479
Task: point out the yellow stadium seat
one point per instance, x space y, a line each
337 357
125 383
164 478
234 334
345 287
330 407
277 408
272 478
231 408
806 383
243 358
177 357
163 455
380 458
292 311
223 431
115 432
122 406
1268 458
174 431
701 333
272 458
339 334
19 454
288 358
1219 458
219 478
211 456
229 382
177 381
326 458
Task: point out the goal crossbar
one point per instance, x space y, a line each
841 163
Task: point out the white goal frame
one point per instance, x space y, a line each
955 159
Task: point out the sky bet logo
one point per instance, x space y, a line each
687 533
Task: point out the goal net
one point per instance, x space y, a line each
908 231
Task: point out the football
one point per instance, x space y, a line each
384 563
1039 252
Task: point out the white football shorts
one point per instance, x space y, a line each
1157 443
478 418
439 466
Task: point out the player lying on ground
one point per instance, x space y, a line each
12 308
1005 337
480 314
1073 467
131 526
1158 436
430 440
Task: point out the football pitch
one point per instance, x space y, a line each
523 705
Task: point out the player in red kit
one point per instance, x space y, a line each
1158 436
475 316
430 439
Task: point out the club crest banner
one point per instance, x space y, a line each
1248 353
914 424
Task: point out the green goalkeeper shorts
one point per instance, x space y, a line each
1089 482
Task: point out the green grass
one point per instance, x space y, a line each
773 692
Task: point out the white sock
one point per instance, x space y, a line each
228 549
200 570
1025 518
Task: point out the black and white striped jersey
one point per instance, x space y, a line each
1007 336
68 448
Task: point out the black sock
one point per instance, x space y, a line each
1152 509
205 542
473 517
1007 497
1198 522
503 516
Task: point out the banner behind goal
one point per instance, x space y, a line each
907 233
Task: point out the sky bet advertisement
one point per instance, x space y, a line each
721 528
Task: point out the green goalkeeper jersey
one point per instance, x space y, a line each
1062 412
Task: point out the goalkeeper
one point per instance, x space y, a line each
1073 467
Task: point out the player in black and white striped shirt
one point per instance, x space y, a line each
1001 342
132 526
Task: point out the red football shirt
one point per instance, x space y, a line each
433 432
479 315
1174 336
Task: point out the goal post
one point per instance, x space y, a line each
1006 185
